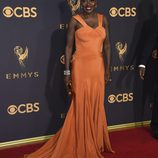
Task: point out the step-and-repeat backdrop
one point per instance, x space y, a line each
33 100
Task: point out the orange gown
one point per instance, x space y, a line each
84 133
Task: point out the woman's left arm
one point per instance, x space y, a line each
107 50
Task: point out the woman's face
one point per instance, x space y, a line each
88 6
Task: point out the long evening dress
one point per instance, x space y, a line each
84 133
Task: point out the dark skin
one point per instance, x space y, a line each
141 72
90 17
142 69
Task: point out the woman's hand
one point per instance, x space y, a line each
68 84
141 73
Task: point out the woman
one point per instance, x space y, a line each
84 133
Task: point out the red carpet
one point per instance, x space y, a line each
133 143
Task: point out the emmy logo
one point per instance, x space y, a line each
21 54
62 59
121 49
74 5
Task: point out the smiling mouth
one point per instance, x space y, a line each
88 8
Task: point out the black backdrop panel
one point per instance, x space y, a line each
33 100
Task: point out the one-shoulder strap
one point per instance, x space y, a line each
80 20
100 19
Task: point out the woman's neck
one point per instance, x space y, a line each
86 15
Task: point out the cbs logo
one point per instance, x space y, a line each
123 12
23 108
120 98
20 12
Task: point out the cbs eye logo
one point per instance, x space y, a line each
20 12
120 98
123 12
23 108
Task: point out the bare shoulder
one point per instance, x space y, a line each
72 22
105 21
73 19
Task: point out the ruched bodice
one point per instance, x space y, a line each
89 39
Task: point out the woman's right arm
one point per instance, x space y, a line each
68 50
69 43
